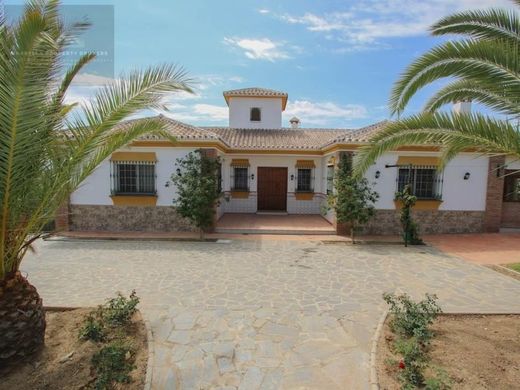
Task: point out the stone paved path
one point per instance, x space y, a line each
262 314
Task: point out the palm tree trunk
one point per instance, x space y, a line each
201 234
352 233
22 319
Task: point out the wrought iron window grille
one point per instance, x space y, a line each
133 178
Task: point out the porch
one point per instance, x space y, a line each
274 224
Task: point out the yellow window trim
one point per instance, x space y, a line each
421 204
134 200
304 195
240 194
417 160
305 164
240 162
134 156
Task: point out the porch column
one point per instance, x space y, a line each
494 194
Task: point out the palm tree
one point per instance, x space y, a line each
40 162
484 67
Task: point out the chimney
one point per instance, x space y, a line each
462 107
295 122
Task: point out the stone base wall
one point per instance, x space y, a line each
511 215
429 221
127 218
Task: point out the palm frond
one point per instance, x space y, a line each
451 133
116 102
40 163
477 91
493 63
492 24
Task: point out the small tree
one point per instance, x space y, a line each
410 229
353 199
198 189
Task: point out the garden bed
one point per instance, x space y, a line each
474 351
65 361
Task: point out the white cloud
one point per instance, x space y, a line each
260 49
201 113
363 25
263 11
323 113
212 112
80 94
89 79
207 81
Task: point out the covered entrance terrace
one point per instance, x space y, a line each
234 223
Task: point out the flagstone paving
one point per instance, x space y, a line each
261 314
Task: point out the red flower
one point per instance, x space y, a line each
401 365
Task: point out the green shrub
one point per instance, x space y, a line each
92 329
441 381
414 359
410 227
113 363
119 310
412 319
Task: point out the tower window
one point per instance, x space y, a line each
256 115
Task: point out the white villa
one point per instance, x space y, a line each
289 170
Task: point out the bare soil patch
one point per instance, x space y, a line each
65 361
476 351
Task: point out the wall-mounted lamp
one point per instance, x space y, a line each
292 177
467 175
252 176
378 173
167 184
179 172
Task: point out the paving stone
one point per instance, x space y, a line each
299 327
224 350
179 336
252 379
185 321
225 365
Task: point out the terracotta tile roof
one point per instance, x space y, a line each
362 134
267 139
276 139
182 131
256 92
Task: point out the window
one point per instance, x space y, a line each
424 181
240 181
133 178
255 115
304 183
330 179
512 186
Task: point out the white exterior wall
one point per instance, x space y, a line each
240 107
512 163
95 190
457 193
294 206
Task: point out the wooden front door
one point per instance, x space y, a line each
272 189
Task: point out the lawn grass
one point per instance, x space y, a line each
514 266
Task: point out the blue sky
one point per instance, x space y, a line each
337 59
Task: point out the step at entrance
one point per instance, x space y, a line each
262 223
